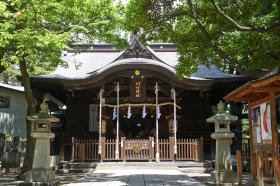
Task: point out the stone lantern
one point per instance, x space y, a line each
41 132
223 164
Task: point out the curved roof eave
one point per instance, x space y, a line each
127 64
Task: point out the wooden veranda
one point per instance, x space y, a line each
261 96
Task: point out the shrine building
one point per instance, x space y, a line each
136 100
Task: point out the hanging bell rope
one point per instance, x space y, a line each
141 105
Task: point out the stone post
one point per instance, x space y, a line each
223 164
41 173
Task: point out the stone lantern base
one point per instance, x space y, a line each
224 176
40 178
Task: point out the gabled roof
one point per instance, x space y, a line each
10 87
138 50
257 89
94 62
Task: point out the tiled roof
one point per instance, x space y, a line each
93 62
213 72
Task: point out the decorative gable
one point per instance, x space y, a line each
137 50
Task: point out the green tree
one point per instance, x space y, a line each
243 35
33 34
10 76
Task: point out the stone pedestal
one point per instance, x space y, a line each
223 173
223 163
223 177
223 155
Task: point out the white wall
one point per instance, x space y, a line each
13 119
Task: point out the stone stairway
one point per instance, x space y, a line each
87 167
76 167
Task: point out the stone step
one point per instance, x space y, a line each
195 170
81 170
185 166
78 165
153 165
207 164
134 165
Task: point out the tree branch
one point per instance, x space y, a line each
166 17
34 10
228 58
271 28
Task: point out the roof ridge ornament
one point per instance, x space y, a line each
221 108
44 107
138 50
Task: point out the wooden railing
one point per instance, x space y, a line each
84 149
165 149
137 149
110 149
187 149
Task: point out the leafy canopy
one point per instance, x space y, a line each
33 34
244 34
38 30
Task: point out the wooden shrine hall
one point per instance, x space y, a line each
131 105
263 97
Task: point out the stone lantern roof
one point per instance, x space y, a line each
43 115
221 115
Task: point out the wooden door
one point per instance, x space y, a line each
137 149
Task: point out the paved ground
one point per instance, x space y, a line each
135 177
116 174
115 177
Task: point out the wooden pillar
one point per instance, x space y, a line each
73 149
260 168
267 164
171 148
102 155
100 120
61 152
201 152
82 151
196 149
123 151
252 153
174 121
117 156
157 111
239 166
272 101
151 139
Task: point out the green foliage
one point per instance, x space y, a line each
33 34
177 22
37 31
9 76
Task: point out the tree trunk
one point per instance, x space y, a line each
30 143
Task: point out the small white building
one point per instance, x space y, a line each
13 109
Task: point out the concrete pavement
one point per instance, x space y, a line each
135 177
